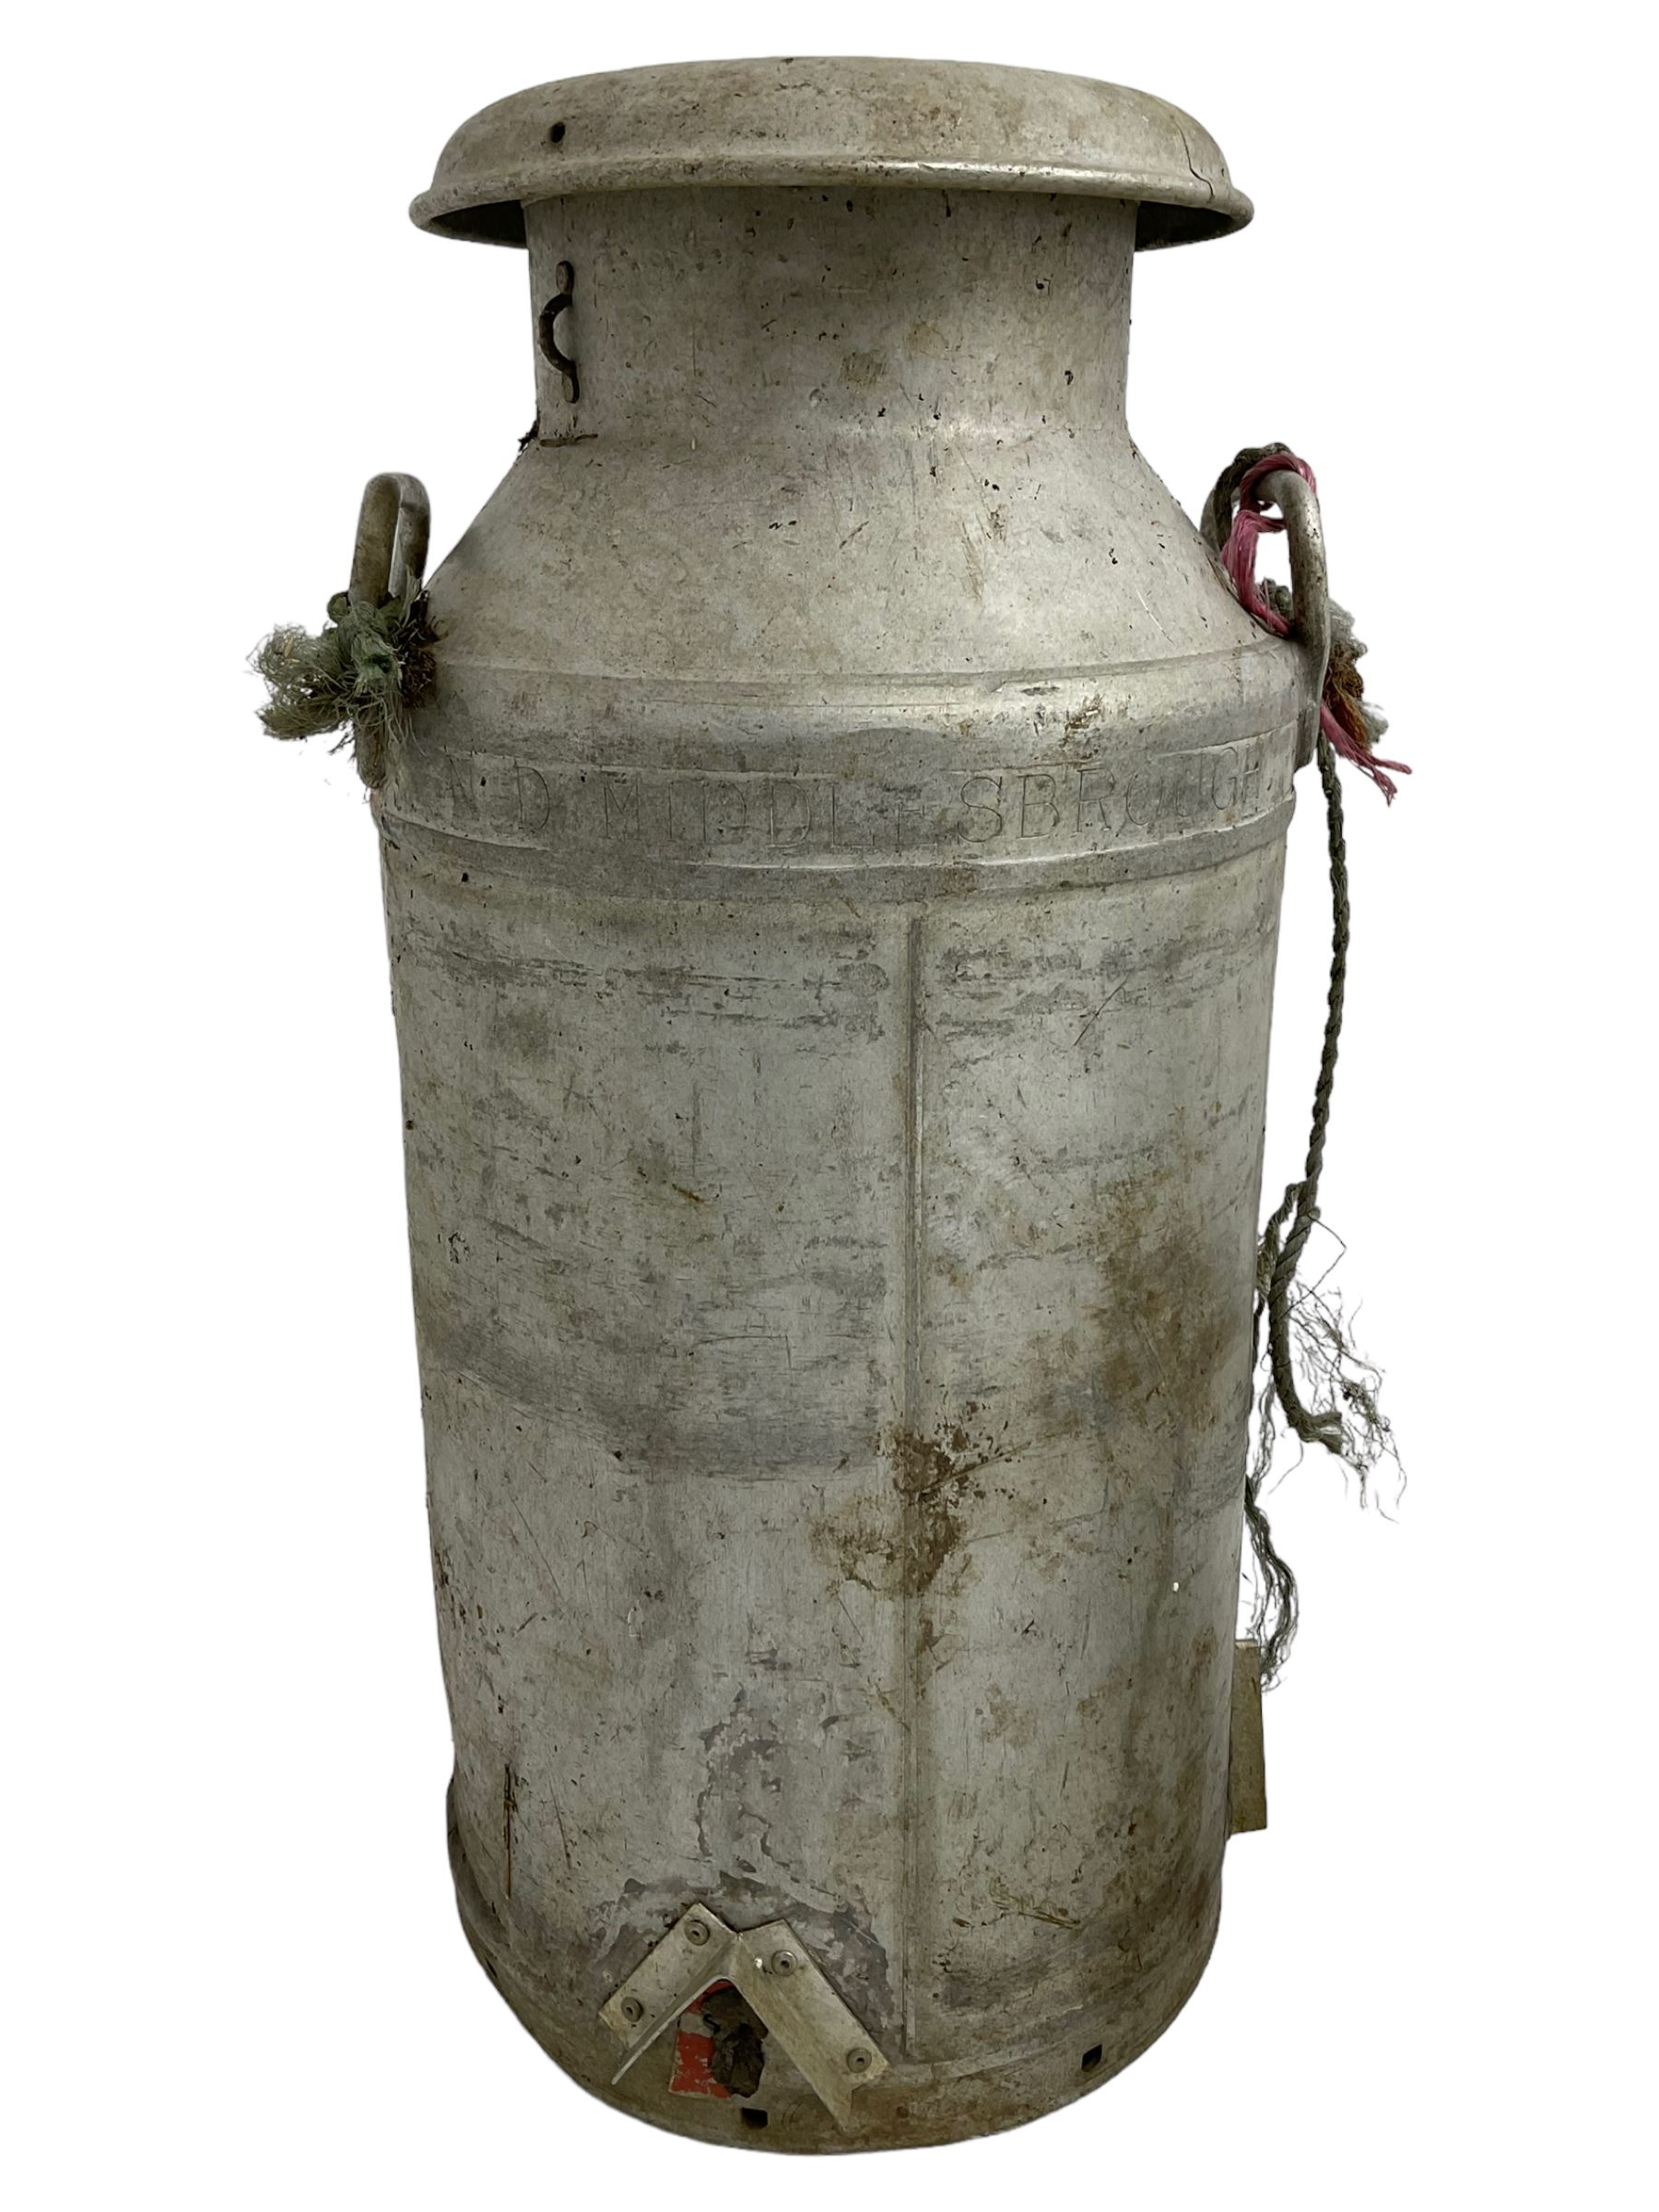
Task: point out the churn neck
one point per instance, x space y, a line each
741 316
797 246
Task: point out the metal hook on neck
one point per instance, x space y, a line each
565 276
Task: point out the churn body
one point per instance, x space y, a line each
833 901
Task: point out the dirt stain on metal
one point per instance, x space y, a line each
938 1474
1172 1313
863 369
899 1554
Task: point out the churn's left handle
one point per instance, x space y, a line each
1309 587
395 523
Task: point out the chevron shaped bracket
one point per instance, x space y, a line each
775 1974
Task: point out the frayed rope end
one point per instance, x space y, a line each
360 673
1316 1382
1332 1398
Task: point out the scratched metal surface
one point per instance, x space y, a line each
832 903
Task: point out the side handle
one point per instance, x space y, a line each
395 523
1310 589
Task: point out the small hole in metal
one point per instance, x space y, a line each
751 2117
556 133
1090 2059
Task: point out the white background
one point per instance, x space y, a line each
233 1974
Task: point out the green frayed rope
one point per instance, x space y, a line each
362 674
1317 1382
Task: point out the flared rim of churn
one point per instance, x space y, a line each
967 126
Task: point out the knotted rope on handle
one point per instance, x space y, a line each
373 658
1308 1340
1235 521
361 673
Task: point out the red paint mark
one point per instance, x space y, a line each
693 2048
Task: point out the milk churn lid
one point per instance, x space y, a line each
965 126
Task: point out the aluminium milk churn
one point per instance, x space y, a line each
832 891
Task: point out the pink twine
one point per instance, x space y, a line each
1239 558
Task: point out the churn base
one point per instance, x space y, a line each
911 2107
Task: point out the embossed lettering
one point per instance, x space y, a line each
1097 786
688 811
1054 806
535 800
1141 796
910 818
790 809
983 820
1248 797
622 807
461 776
727 817
1038 808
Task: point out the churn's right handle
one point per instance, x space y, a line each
394 524
1310 589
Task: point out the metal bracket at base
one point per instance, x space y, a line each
775 1974
1247 1763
